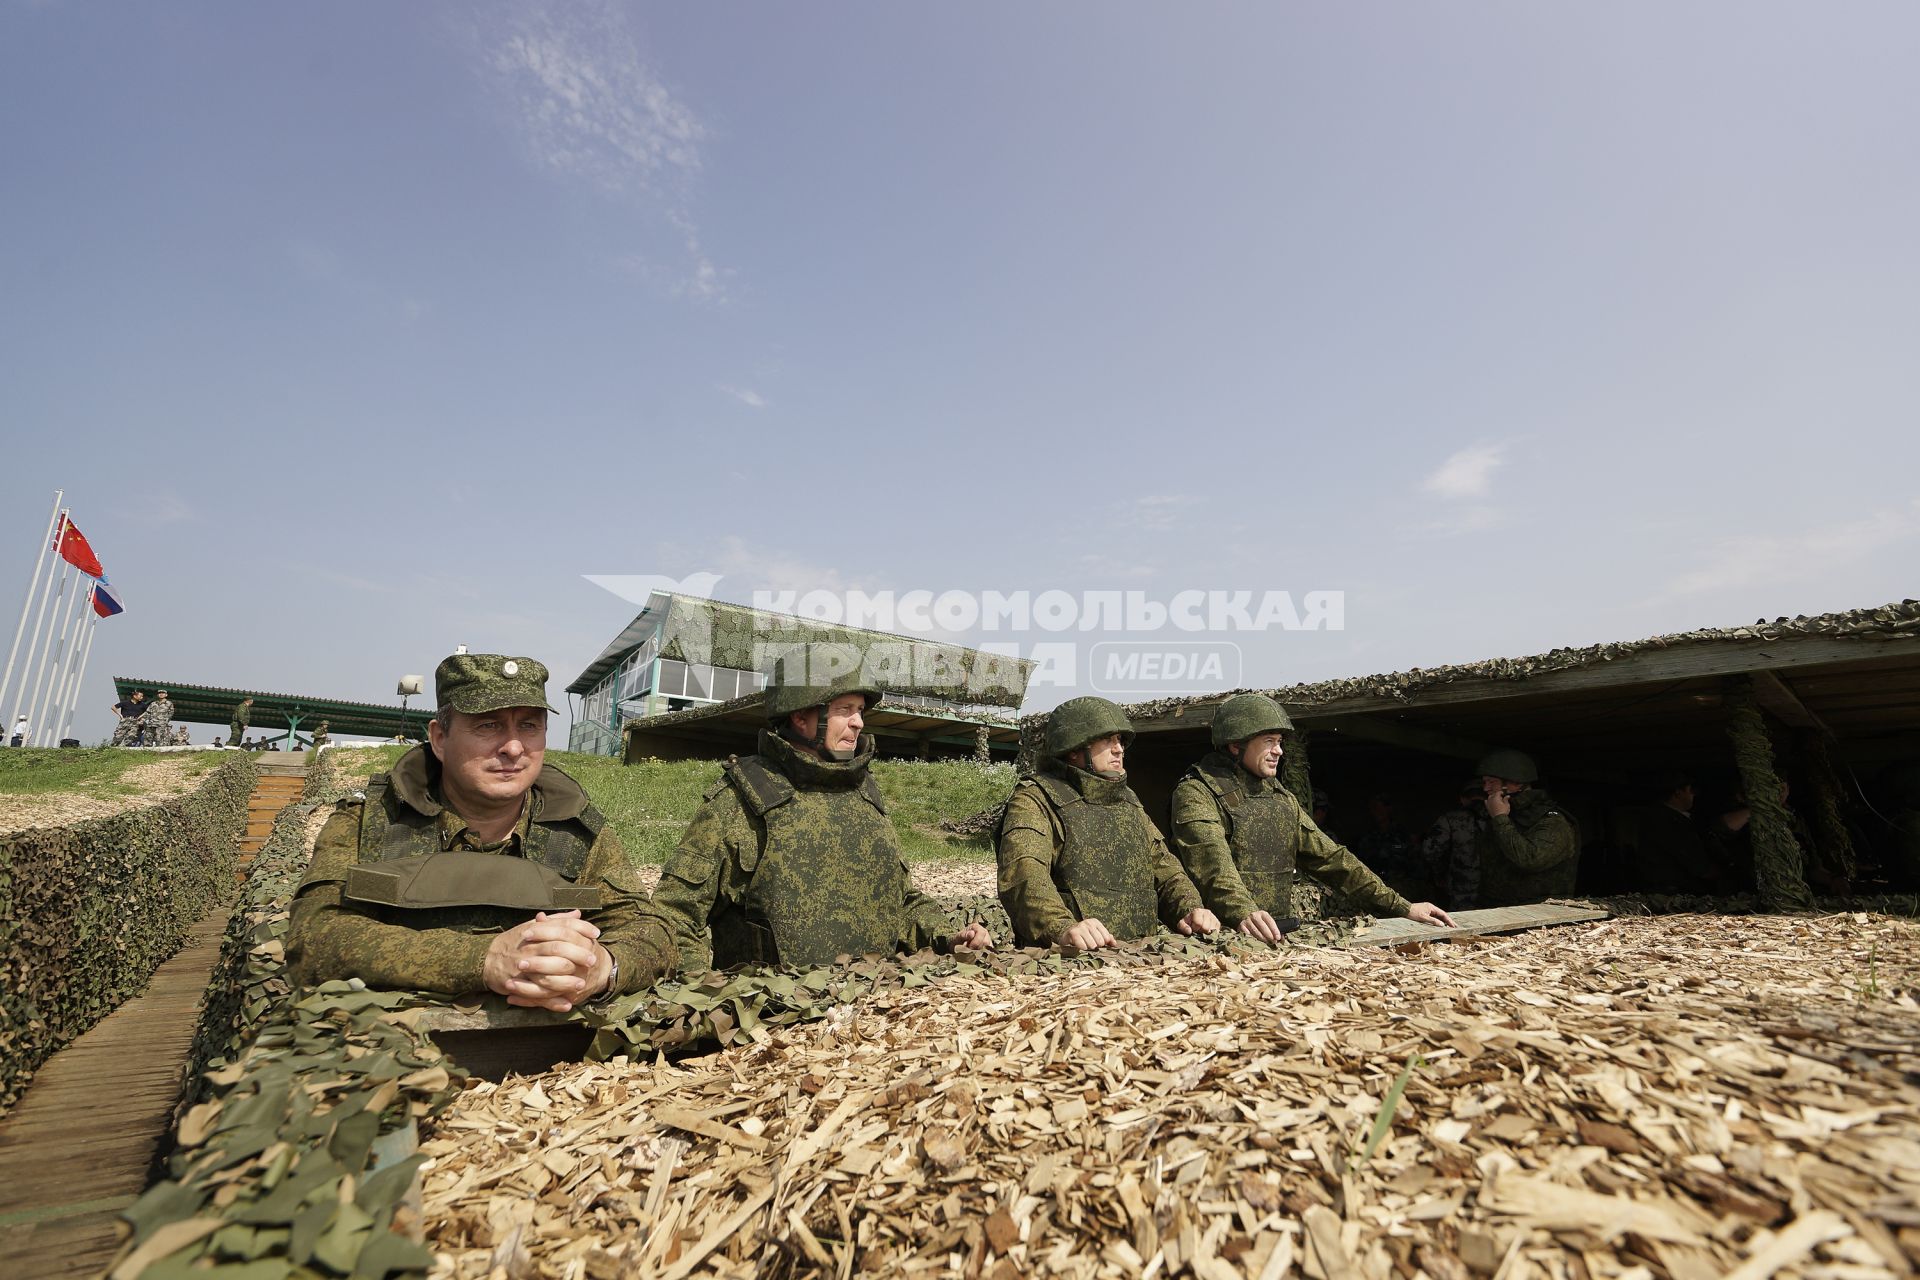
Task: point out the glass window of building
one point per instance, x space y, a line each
673 676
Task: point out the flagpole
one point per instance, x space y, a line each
23 696
26 606
56 666
91 622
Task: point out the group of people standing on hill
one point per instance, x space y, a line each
145 724
473 867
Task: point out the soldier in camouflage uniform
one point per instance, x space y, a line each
1240 833
156 723
131 709
792 860
471 868
1451 847
1530 850
237 727
320 735
1081 864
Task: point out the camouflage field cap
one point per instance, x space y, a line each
1248 715
1508 765
1078 721
476 682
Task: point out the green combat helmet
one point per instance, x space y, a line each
1509 765
812 676
1078 721
1248 715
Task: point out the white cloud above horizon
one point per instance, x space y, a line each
1744 560
745 395
590 106
1466 473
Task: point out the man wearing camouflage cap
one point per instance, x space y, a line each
1081 864
1240 833
474 867
792 860
1530 849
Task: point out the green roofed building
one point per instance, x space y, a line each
684 654
288 718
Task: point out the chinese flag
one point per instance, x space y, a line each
75 551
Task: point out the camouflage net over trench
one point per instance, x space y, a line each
89 911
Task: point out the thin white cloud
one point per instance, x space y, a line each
1467 473
745 395
1804 556
589 106
1159 511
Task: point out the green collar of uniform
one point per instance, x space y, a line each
415 782
1094 788
805 769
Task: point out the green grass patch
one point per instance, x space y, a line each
649 804
90 771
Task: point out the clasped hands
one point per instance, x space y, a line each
553 961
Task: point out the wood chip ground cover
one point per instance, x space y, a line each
1686 1096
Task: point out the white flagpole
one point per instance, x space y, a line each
26 606
57 659
23 696
91 622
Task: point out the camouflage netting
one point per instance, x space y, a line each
289 1156
89 911
296 1157
1296 768
1777 860
1891 621
732 635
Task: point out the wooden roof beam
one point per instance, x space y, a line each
1777 698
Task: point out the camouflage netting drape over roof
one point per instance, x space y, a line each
1898 620
731 635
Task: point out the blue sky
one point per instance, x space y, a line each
358 331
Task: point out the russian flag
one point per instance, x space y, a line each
105 602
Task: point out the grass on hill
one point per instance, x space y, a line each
649 804
92 771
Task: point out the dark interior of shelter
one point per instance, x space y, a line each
1844 737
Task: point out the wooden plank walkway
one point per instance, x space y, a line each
80 1145
1391 933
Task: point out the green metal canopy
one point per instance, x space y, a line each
291 712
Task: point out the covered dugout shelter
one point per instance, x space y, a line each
288 712
1829 703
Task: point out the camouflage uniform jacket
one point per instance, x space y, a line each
1529 855
1240 838
792 860
1451 848
1075 845
442 950
158 718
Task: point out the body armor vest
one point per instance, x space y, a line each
1104 869
826 880
391 830
1262 821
